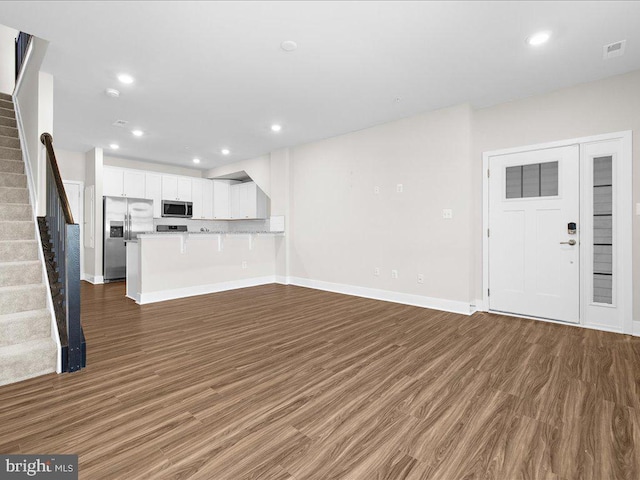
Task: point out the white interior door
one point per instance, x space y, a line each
534 257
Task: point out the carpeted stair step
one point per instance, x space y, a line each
7 112
6 131
6 103
8 122
27 360
22 298
15 211
9 142
14 180
6 96
20 273
18 250
12 230
11 166
8 153
24 326
14 195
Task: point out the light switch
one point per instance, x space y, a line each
447 213
399 188
376 189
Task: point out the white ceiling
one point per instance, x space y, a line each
211 75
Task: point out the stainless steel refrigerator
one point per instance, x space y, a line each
124 219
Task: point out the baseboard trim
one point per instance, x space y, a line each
477 306
282 280
163 295
636 328
96 280
384 295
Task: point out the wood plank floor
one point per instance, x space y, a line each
280 382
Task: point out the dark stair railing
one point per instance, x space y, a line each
61 245
22 43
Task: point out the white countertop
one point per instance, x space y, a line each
159 234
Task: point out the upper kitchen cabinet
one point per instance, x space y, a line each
221 200
248 201
119 182
202 195
176 188
153 191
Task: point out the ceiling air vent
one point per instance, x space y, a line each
613 50
120 123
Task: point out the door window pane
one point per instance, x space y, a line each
514 182
533 180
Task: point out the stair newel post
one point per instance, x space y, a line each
72 295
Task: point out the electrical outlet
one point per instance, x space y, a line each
244 264
447 213
394 274
399 188
420 278
376 272
376 189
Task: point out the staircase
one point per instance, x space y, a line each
26 346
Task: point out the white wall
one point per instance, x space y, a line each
153 167
604 106
45 125
93 256
27 102
72 165
280 198
341 230
7 59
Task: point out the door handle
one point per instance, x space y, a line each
571 242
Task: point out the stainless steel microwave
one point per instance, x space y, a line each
174 208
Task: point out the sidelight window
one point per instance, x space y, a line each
603 229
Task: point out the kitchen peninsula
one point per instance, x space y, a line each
165 266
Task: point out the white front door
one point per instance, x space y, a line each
534 248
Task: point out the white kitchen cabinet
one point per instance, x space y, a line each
153 191
248 201
184 189
234 200
221 200
119 182
207 199
112 182
202 195
196 195
176 188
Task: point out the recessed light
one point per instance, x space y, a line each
276 128
225 151
114 146
137 133
288 45
196 160
125 78
538 38
112 92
